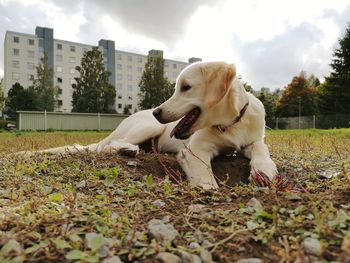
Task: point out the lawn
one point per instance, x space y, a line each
91 208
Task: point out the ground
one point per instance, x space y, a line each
88 207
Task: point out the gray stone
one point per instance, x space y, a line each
161 231
206 256
250 260
158 203
197 208
81 184
312 246
193 245
114 259
198 236
165 257
131 163
166 219
189 258
254 203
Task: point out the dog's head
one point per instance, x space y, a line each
199 89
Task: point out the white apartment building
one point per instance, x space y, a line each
23 53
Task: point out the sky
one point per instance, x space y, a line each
269 41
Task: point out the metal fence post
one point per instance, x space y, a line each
45 116
99 121
20 121
276 124
313 121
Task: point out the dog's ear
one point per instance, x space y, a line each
218 82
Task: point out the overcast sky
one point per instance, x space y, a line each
270 41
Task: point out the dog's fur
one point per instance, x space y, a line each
230 118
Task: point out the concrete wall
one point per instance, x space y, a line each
33 120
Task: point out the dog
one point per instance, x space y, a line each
209 113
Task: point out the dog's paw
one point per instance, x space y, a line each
266 167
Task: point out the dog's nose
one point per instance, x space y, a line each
157 112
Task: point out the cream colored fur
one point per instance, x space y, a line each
216 90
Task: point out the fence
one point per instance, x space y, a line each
35 120
307 122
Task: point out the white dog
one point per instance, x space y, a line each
217 114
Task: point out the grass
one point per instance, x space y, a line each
89 207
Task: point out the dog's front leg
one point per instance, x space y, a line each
260 159
196 164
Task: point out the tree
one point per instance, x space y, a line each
126 110
92 91
269 101
154 87
20 98
2 96
299 94
44 86
334 95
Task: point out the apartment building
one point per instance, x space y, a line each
23 53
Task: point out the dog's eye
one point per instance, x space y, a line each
185 88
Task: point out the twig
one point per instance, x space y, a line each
223 241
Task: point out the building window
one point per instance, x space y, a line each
15 39
30 54
139 70
72 70
129 97
120 96
120 106
119 67
129 68
166 64
30 77
59 58
58 69
119 76
119 86
15 75
59 103
59 46
59 80
15 52
119 56
30 66
130 106
59 91
31 42
15 63
129 78
174 75
139 59
129 58
129 87
174 66
71 59
72 48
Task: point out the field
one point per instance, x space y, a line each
91 208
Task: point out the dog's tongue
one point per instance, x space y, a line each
181 129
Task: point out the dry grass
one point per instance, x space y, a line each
48 205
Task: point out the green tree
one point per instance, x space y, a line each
92 91
44 86
334 94
154 87
126 110
20 98
269 102
299 93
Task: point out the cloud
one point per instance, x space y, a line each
272 63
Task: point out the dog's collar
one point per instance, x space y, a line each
222 128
